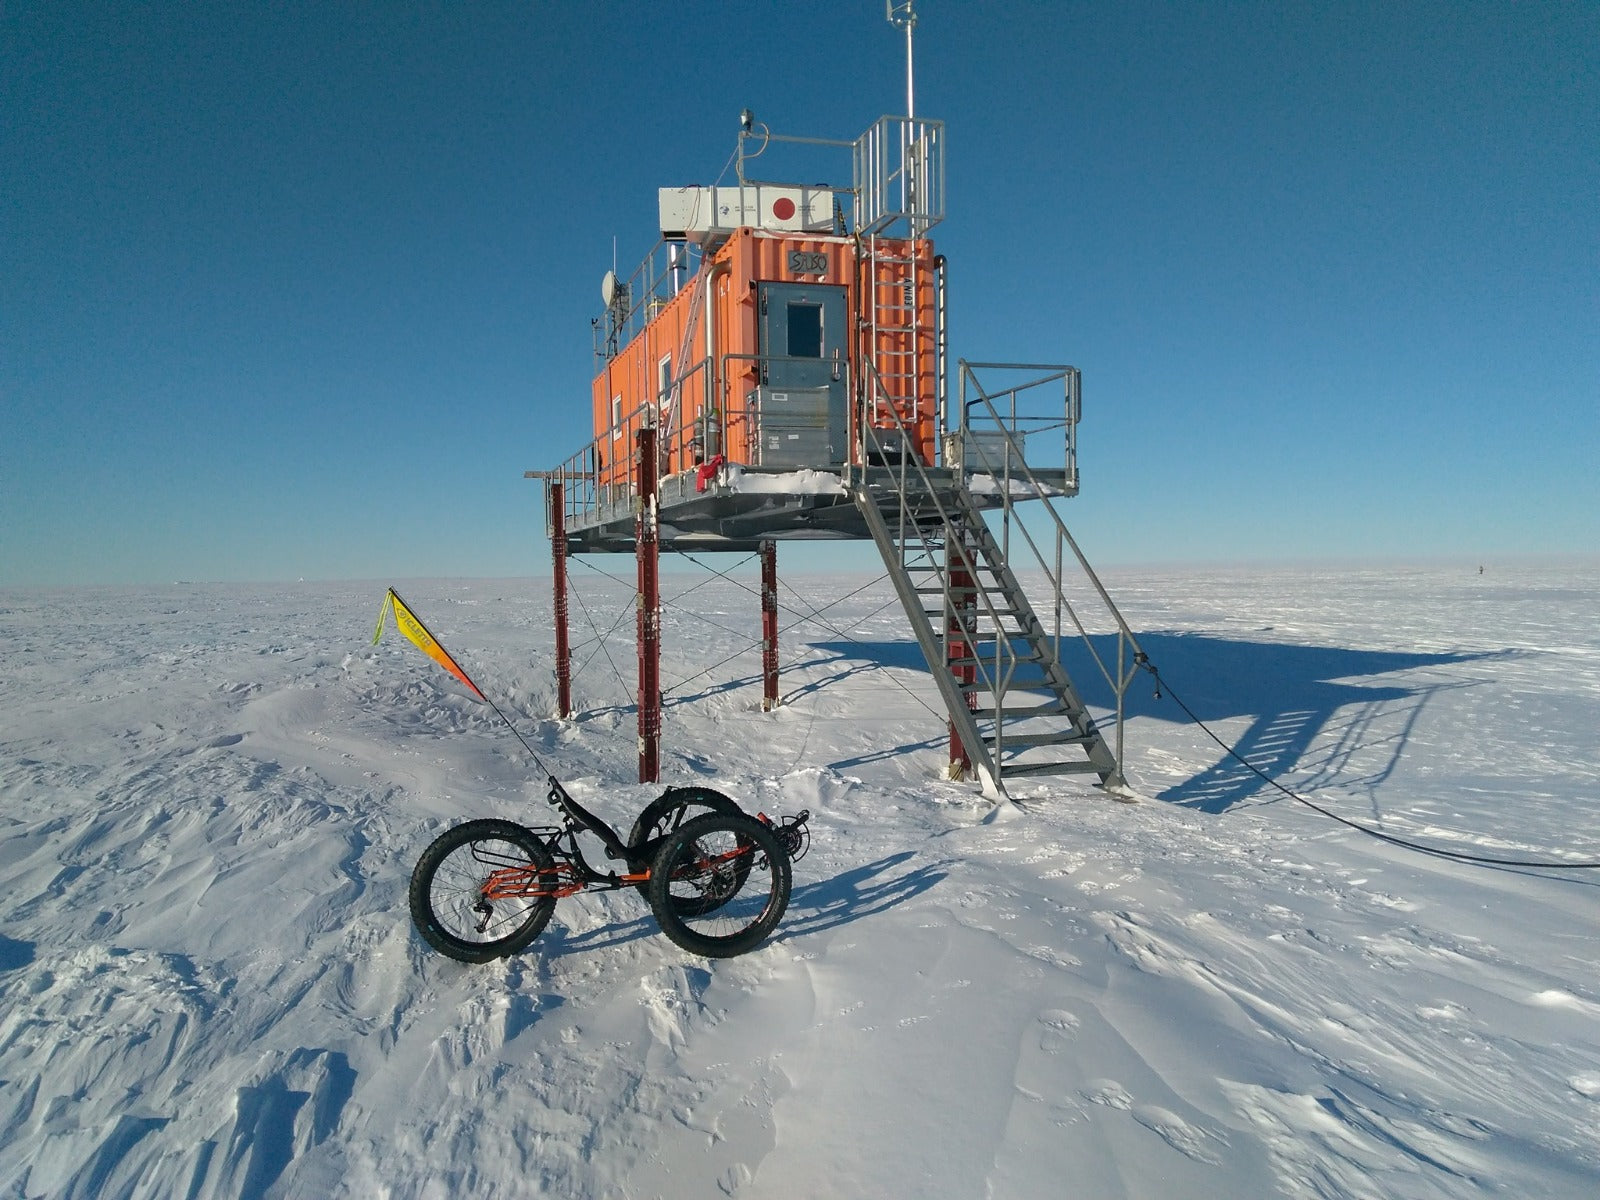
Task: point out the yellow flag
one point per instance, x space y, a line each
408 623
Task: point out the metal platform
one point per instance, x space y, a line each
738 508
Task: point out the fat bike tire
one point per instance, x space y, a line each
447 902
720 884
676 807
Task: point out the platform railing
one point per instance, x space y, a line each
1036 405
599 479
667 269
898 176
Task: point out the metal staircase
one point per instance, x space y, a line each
1013 707
1010 700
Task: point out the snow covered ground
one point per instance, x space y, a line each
211 798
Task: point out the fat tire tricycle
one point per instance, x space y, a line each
716 877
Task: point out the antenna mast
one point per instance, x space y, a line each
901 15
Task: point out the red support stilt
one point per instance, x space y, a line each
769 626
648 554
558 555
958 644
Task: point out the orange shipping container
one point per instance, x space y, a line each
804 337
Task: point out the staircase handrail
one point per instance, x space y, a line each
1005 655
1126 670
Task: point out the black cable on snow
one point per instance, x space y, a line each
1403 843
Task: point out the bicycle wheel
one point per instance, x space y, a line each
448 905
666 815
720 884
675 807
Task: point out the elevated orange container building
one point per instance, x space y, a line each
775 371
776 329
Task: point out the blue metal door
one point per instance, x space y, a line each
804 348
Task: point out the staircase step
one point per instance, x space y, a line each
1030 657
1014 770
977 585
985 624
930 590
986 597
1059 738
1054 709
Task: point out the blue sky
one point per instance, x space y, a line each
301 290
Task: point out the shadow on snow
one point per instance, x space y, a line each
813 907
1303 713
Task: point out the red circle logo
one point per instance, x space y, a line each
783 208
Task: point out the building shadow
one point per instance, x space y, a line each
1305 705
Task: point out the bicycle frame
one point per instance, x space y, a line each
571 872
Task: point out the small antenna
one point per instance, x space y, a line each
901 16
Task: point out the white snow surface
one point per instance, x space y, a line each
212 798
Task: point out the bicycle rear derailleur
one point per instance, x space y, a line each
792 833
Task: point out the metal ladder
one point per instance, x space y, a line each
893 333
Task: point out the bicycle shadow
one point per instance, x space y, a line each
859 892
557 941
813 907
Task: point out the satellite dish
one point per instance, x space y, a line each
609 287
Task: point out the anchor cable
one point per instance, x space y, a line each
1403 843
600 639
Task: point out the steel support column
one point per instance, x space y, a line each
648 553
558 555
769 626
960 625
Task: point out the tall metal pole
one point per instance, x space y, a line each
769 626
901 15
558 554
648 554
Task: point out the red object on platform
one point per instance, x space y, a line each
707 469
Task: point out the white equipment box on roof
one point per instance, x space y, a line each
705 214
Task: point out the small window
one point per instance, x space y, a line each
664 382
805 331
616 417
